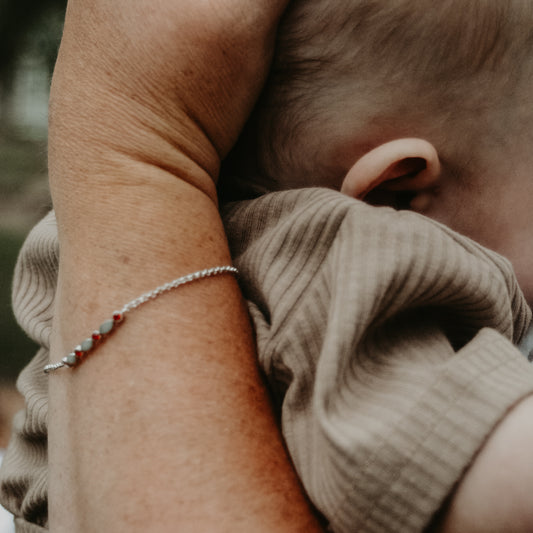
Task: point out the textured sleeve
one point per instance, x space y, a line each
23 474
387 340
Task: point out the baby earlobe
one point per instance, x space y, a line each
421 202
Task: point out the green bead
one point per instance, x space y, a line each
87 344
71 359
107 326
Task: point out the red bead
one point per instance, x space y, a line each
78 353
117 317
96 336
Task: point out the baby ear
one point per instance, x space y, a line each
406 166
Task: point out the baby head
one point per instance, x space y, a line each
410 103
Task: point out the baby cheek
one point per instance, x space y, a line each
521 258
496 231
470 216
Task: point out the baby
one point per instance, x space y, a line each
370 322
350 77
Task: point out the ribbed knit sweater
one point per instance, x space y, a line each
387 340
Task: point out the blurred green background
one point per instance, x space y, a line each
29 37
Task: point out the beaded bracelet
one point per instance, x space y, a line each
81 351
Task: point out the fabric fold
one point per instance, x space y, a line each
388 340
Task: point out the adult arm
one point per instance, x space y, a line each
167 426
494 494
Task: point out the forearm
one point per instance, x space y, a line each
167 426
494 494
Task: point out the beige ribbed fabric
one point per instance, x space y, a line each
386 338
23 474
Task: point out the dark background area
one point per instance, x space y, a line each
30 31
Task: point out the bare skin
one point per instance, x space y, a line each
168 427
494 494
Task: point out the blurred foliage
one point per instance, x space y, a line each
28 29
28 26
23 201
22 161
17 348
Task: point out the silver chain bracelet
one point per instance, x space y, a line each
107 327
